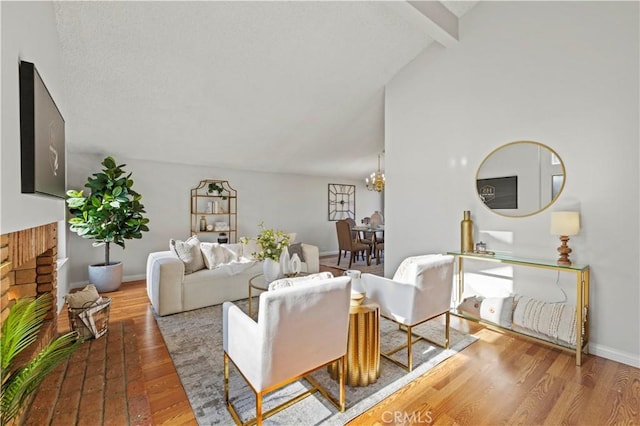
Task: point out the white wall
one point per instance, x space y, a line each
561 73
293 203
29 34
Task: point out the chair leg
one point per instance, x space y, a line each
342 373
409 348
351 258
448 323
369 257
259 409
340 255
226 378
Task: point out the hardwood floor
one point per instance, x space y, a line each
168 401
500 379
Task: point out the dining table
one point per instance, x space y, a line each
373 233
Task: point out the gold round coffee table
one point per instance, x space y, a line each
257 283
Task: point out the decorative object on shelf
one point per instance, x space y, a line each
221 226
222 238
342 201
290 266
564 224
210 227
481 247
466 233
376 181
203 223
285 262
216 190
111 213
209 207
376 219
296 264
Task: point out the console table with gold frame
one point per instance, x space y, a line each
582 295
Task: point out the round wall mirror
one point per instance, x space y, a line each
520 179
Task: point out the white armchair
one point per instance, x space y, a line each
419 291
299 330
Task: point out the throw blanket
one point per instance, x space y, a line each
554 320
236 267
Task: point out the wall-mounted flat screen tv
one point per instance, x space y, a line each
42 151
499 193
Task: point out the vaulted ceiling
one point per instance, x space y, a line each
271 86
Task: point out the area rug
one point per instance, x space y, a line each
194 340
331 261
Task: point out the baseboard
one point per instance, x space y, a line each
615 355
125 279
136 277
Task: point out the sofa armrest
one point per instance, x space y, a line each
311 258
165 274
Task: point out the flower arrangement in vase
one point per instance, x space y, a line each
271 243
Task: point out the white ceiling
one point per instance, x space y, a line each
272 86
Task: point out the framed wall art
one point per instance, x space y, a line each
42 137
342 201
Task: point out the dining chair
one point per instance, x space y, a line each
379 250
419 291
348 244
355 235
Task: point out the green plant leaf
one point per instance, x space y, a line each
112 212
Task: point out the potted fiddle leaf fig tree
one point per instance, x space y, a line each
110 213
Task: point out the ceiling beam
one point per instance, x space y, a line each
432 17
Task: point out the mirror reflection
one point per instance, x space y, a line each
520 178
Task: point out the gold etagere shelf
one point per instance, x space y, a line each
214 211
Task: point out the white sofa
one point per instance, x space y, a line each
171 291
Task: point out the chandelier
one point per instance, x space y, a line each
376 181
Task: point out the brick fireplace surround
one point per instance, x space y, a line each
28 268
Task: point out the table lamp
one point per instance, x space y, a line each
564 224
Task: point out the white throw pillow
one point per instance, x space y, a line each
471 306
498 310
189 252
213 254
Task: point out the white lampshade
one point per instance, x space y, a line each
565 223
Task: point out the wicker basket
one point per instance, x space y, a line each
92 320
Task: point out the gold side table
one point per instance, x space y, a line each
363 346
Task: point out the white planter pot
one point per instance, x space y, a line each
106 277
271 270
